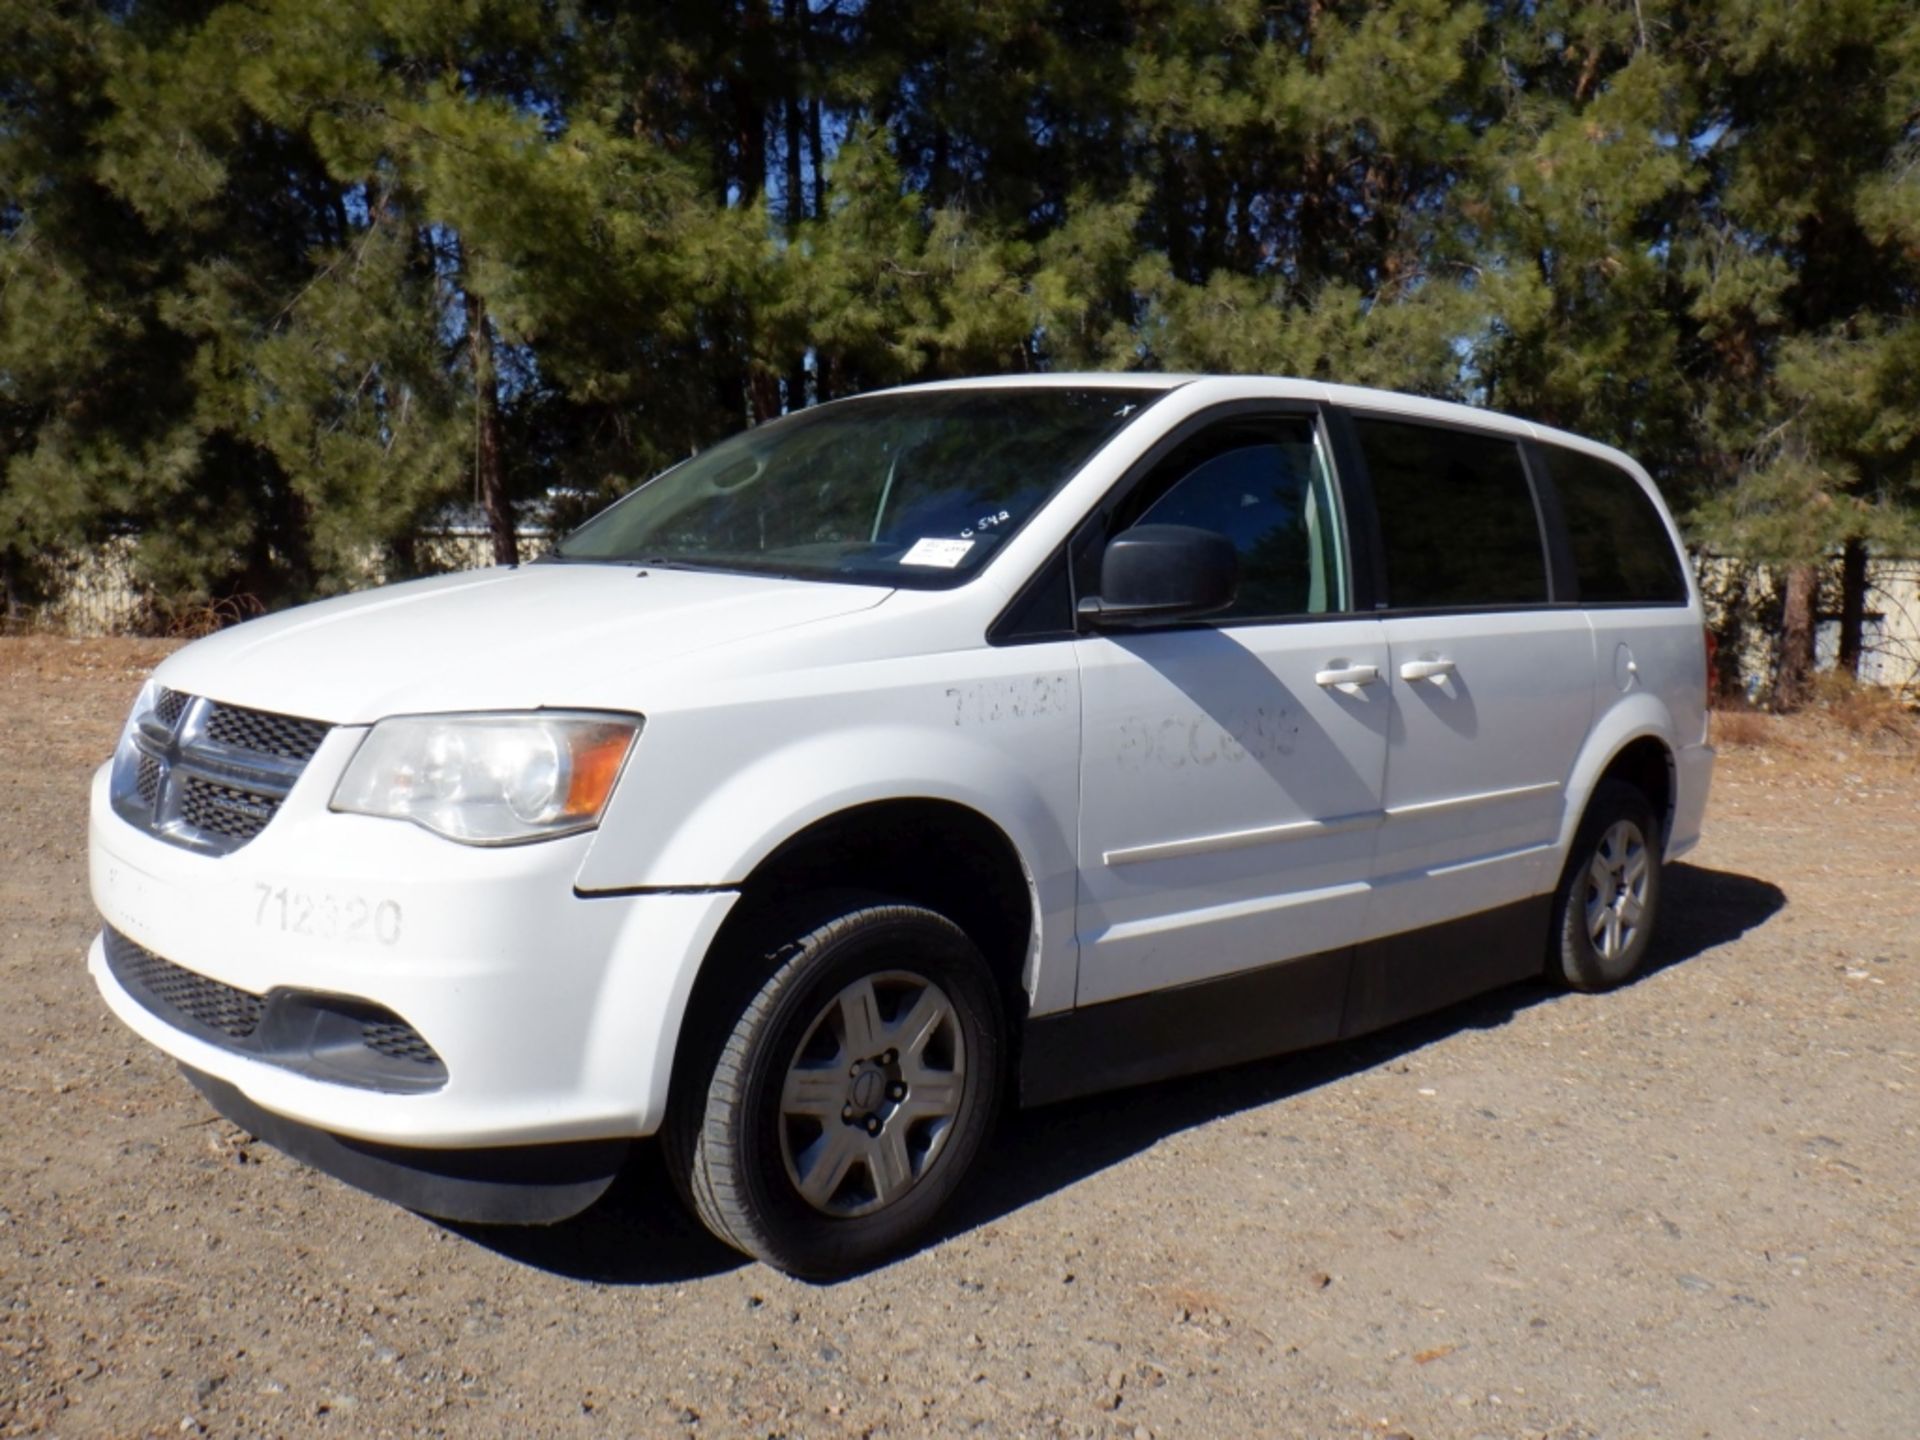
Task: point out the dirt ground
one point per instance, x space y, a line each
1690 1208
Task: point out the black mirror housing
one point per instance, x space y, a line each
1155 573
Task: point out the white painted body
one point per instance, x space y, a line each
1169 833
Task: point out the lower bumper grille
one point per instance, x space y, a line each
328 1037
399 1040
189 1001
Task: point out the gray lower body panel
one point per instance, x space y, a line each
1255 1014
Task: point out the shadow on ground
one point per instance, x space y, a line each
638 1234
1040 1151
635 1234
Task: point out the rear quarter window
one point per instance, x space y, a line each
1622 553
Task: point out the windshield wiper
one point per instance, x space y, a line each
650 562
724 566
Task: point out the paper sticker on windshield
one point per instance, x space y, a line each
941 554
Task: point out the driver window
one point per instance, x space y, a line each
1265 486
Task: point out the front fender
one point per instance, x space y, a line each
717 799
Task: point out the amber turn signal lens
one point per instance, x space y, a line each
597 756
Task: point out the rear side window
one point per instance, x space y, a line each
1456 517
1622 552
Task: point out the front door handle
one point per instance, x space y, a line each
1435 670
1347 675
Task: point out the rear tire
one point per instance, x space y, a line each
851 1095
1609 896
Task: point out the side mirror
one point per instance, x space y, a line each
1155 573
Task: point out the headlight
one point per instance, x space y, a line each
489 779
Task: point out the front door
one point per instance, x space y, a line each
1232 771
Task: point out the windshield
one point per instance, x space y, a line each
915 489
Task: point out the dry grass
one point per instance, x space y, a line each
1866 712
54 659
1740 726
1843 713
192 619
179 620
1839 751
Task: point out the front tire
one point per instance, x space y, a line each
1609 894
853 1094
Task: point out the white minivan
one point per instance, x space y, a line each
988 741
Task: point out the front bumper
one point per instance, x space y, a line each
555 1014
516 1185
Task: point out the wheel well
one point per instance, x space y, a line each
927 852
931 852
1647 765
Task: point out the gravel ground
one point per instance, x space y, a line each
1685 1209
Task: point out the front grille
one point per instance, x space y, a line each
147 782
175 994
223 810
209 776
265 733
336 1038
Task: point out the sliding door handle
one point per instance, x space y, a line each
1435 670
1347 675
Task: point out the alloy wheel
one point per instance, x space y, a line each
1617 889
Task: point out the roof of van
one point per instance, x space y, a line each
1280 387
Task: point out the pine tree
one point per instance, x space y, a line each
1804 265
282 282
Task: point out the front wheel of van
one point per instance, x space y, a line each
854 1093
1609 893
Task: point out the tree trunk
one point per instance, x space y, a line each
748 102
794 115
794 121
763 394
1853 605
488 477
1173 204
1216 245
816 152
810 73
1794 676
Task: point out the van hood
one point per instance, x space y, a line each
506 638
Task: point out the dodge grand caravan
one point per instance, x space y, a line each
989 741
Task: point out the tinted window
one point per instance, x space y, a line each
1456 516
1621 549
1263 486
